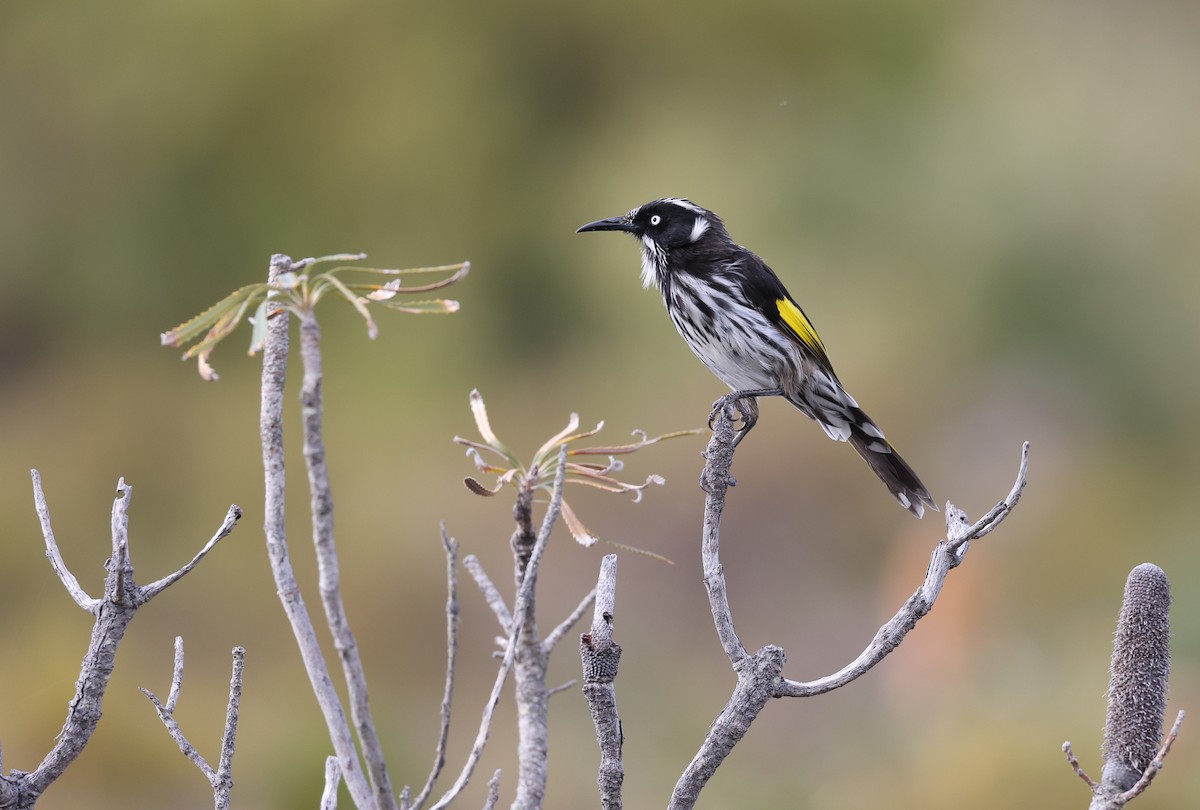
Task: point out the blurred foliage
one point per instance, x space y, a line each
990 210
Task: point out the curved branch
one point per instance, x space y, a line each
760 675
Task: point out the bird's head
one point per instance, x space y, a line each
662 226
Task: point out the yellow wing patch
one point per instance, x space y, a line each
800 326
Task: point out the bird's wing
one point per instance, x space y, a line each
766 292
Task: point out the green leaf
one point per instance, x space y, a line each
191 329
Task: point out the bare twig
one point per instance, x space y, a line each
275 353
490 592
1156 764
333 778
556 635
231 518
493 794
947 555
113 612
1074 763
221 779
224 783
439 758
562 687
601 657
312 414
521 605
68 579
166 713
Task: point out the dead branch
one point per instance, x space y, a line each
439 758
113 611
328 576
760 675
221 777
275 354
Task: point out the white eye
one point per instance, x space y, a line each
655 219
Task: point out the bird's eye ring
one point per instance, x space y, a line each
655 219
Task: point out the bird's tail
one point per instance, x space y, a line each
892 470
840 417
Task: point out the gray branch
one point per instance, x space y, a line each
493 794
760 674
328 577
529 666
439 757
522 605
275 354
220 778
601 657
231 518
1137 693
333 778
490 592
122 598
68 579
558 633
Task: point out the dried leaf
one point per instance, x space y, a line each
641 551
553 442
576 527
479 411
386 291
480 489
622 449
207 372
351 298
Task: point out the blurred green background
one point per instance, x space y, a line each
991 210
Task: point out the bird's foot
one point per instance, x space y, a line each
744 406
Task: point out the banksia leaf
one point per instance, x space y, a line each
299 292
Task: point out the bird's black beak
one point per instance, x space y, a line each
621 223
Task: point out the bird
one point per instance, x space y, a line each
738 318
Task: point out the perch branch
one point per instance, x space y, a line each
760 675
948 554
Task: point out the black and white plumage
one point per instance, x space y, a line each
737 317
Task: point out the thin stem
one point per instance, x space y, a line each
312 412
439 758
